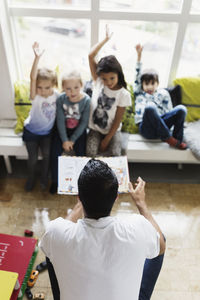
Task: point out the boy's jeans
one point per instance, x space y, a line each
154 126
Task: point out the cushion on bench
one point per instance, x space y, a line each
190 87
22 103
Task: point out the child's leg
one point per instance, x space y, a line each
56 151
93 142
115 145
45 143
151 271
32 149
176 118
80 145
153 126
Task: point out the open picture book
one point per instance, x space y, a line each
69 168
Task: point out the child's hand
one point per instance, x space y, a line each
139 49
108 34
36 49
104 144
68 146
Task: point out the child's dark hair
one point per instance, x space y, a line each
149 75
97 188
47 74
109 64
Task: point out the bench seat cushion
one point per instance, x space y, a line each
150 151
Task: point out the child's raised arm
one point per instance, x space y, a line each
93 52
33 75
137 83
139 49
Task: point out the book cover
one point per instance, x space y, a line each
69 168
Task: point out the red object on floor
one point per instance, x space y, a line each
28 232
15 255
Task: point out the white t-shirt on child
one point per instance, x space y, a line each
104 105
42 115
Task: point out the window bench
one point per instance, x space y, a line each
11 144
138 149
155 151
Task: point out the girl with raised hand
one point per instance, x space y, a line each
38 125
109 100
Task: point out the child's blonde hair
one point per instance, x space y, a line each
71 75
47 74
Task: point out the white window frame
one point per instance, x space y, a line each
95 15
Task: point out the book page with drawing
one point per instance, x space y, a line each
69 168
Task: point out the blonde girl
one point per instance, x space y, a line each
38 125
73 107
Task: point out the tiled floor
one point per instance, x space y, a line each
176 207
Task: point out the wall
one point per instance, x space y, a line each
6 88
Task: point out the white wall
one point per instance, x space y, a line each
6 91
6 87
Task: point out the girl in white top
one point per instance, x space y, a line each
109 100
38 125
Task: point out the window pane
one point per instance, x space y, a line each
84 4
195 6
158 40
66 43
142 5
189 64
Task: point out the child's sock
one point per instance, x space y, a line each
182 146
176 143
171 141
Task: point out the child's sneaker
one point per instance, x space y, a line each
53 188
182 146
43 187
171 141
29 185
176 143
